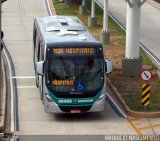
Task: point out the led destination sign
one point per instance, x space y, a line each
63 82
74 51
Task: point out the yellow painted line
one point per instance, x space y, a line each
148 127
135 119
134 127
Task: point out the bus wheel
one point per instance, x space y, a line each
41 96
41 91
37 80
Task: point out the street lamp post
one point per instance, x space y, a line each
82 8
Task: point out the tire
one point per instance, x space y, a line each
41 91
37 80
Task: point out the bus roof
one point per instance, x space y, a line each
63 29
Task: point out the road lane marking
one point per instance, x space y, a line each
26 87
138 130
135 119
23 77
134 127
149 127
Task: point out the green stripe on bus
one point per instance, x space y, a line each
74 101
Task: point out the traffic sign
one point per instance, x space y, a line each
146 75
145 94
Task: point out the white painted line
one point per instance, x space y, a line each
26 87
23 77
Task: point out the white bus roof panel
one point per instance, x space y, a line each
63 28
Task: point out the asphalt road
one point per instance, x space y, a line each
17 24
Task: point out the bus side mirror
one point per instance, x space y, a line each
108 66
39 67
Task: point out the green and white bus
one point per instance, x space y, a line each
69 65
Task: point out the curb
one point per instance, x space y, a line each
52 9
116 95
3 98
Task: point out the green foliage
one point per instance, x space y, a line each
147 60
64 9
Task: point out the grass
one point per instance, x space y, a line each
64 9
129 87
147 61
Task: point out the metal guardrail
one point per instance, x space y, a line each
147 51
151 55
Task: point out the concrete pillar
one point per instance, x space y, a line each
92 21
105 16
82 8
133 30
132 58
105 34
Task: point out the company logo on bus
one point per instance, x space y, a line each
73 51
76 101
